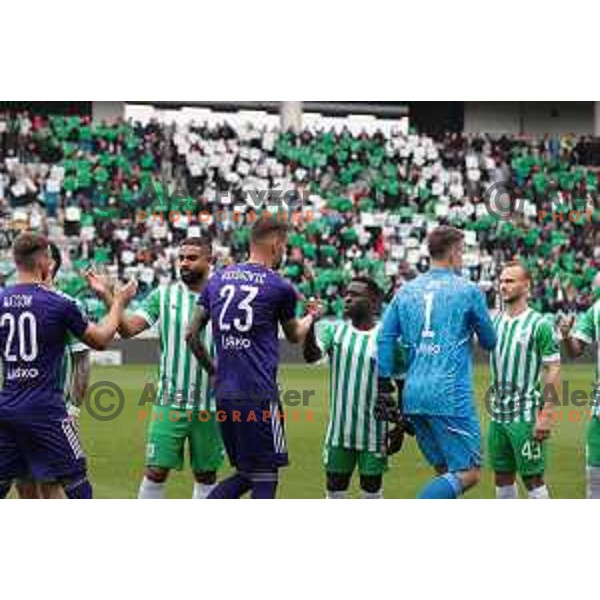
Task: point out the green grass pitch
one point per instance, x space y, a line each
116 448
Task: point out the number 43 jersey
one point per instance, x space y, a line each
435 316
246 304
34 326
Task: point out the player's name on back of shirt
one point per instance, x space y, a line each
36 324
248 276
17 301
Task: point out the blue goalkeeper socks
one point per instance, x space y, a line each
446 487
232 488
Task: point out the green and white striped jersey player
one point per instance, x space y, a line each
352 387
75 366
525 343
527 355
75 351
354 437
183 414
520 420
184 391
587 332
182 384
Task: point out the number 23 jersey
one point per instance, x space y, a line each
246 304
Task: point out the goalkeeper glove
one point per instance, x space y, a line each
407 426
386 408
394 440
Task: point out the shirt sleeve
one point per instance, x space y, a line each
287 305
546 343
74 318
585 329
204 297
388 337
481 320
150 309
76 347
73 344
325 334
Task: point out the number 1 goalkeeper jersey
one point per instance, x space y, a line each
436 316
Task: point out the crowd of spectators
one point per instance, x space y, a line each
367 201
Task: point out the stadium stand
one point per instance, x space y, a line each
371 197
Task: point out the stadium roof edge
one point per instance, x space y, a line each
329 108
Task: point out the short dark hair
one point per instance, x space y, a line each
517 263
441 240
56 258
374 290
263 228
199 242
27 248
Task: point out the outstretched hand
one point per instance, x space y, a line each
125 293
315 308
565 326
100 284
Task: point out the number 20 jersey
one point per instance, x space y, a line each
436 316
246 304
34 326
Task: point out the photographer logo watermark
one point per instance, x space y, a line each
167 198
105 400
506 402
501 202
504 203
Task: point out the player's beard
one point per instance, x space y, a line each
191 277
513 299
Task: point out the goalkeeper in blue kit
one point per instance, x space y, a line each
436 316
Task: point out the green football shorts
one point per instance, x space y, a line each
513 449
593 442
167 434
341 461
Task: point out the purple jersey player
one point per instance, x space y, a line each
246 304
37 437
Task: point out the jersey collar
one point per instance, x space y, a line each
519 316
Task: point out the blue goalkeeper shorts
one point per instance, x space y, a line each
452 443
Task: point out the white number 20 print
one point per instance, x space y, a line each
228 292
427 332
26 328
